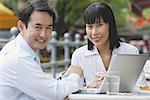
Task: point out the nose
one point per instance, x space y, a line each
94 30
43 32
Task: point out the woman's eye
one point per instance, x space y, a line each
89 26
100 24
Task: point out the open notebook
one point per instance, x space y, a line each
129 66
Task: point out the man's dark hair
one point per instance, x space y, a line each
97 10
34 5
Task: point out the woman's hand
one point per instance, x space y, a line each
97 79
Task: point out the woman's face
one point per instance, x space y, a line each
98 33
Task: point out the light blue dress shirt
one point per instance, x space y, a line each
22 78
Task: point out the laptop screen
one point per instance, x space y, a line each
129 66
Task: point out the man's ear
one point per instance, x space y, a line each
21 26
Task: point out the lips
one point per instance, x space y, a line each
96 39
40 40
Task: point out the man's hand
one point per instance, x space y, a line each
75 69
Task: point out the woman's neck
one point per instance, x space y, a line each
104 49
106 55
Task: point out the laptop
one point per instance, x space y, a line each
129 65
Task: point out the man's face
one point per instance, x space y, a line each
38 31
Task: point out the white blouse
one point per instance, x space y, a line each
91 61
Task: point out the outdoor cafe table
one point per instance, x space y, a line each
121 96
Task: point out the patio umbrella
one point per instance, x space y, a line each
8 18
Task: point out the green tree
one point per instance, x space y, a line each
71 12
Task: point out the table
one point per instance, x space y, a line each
108 97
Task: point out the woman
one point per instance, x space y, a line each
103 44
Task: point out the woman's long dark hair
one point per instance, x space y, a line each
97 10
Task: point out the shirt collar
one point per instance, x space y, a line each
19 39
115 50
91 52
95 51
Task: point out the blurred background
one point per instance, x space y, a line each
132 18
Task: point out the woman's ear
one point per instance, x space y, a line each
21 26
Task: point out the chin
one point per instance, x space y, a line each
41 47
96 43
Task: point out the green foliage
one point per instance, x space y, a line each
4 1
74 9
146 13
71 11
14 3
121 11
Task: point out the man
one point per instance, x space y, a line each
21 75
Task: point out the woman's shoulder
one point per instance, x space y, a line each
127 45
127 48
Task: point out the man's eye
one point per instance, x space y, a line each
49 28
37 27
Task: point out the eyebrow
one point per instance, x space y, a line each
41 24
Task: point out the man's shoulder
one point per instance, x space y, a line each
13 50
